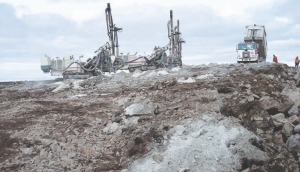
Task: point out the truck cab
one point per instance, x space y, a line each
247 52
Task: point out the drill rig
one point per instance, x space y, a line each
175 44
108 59
159 57
108 54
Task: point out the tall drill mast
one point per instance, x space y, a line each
175 39
112 32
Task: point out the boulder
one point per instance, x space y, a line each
294 110
279 119
274 105
297 128
131 121
293 143
294 120
287 129
293 94
250 98
278 139
113 128
145 107
243 101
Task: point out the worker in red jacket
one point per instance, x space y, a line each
275 58
297 62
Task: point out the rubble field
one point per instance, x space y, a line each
215 117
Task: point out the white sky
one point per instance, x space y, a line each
81 10
211 28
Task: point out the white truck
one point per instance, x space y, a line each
254 48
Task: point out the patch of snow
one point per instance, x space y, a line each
131 120
204 76
76 84
77 96
175 69
177 130
135 75
105 94
183 80
120 71
61 86
151 74
107 74
111 128
163 72
145 107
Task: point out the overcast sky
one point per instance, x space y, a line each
29 29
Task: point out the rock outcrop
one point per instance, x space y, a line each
228 117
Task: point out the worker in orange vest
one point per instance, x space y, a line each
297 62
275 58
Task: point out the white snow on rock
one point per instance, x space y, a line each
177 130
76 84
78 96
183 80
61 86
137 74
27 151
203 146
107 74
204 76
151 74
130 121
175 69
145 107
120 71
113 128
163 72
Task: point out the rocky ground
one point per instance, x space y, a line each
229 117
